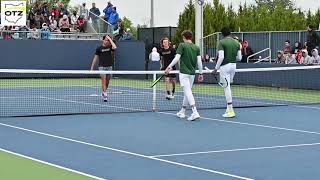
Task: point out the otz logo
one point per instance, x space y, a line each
14 12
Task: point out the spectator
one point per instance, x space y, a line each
306 59
64 24
36 8
94 15
81 24
313 40
63 11
54 12
45 32
287 47
280 57
114 17
23 32
246 51
83 10
128 36
290 59
154 56
315 57
53 25
297 47
31 19
296 50
107 11
45 9
38 20
7 34
305 45
74 18
34 33
119 31
45 18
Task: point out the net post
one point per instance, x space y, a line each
154 93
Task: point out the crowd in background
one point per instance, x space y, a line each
307 54
42 20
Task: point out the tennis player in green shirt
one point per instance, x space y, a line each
189 56
229 52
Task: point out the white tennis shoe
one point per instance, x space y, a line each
181 114
194 116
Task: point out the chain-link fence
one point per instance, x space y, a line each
267 42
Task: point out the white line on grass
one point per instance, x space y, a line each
126 152
53 165
237 150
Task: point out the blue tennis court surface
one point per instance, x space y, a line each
267 143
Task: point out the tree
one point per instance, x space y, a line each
186 21
127 23
271 4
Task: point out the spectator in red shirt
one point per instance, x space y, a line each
81 24
55 12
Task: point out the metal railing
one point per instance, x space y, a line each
260 60
99 25
39 35
274 40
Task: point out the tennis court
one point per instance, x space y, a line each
63 123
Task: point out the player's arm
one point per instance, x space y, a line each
220 59
239 56
94 61
114 46
199 61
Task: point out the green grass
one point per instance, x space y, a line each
245 91
14 167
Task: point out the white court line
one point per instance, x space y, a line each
93 104
251 124
237 150
126 152
307 107
53 165
206 118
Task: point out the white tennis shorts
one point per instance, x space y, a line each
186 80
228 71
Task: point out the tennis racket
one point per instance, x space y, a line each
222 81
156 81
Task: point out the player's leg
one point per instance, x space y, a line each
108 76
183 82
173 84
227 71
104 87
168 87
188 91
103 84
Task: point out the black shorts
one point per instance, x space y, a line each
170 75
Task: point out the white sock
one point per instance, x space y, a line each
194 109
230 107
183 110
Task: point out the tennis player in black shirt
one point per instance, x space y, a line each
104 54
167 54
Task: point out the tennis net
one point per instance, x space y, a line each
62 92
